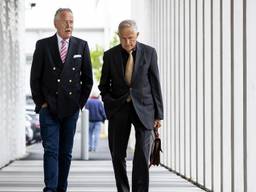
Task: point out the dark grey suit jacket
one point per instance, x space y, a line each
65 87
145 87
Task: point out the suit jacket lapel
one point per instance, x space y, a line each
69 57
55 51
138 61
119 61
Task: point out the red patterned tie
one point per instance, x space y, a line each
63 50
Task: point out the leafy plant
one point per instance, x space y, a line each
115 41
97 57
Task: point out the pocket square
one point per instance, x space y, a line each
77 56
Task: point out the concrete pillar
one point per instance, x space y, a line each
12 97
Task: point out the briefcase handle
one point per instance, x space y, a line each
156 132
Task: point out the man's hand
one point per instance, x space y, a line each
44 105
157 123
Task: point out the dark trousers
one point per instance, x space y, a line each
119 132
57 136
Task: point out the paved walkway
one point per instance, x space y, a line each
94 175
35 151
85 176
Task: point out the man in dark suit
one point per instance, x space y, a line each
61 81
131 93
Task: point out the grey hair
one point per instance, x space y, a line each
57 13
128 23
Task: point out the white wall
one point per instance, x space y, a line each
105 14
12 126
206 52
92 35
142 19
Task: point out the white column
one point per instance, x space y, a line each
182 119
193 91
172 83
226 88
208 92
216 96
251 94
168 84
238 96
187 88
200 96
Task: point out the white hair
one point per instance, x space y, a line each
128 23
57 13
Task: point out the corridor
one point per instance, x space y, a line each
206 58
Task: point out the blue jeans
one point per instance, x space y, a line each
94 133
57 138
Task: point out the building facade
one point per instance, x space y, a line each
206 52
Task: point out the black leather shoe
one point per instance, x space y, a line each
48 190
61 190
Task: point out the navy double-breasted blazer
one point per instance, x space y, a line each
65 87
145 89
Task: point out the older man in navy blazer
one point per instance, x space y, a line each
131 93
61 81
